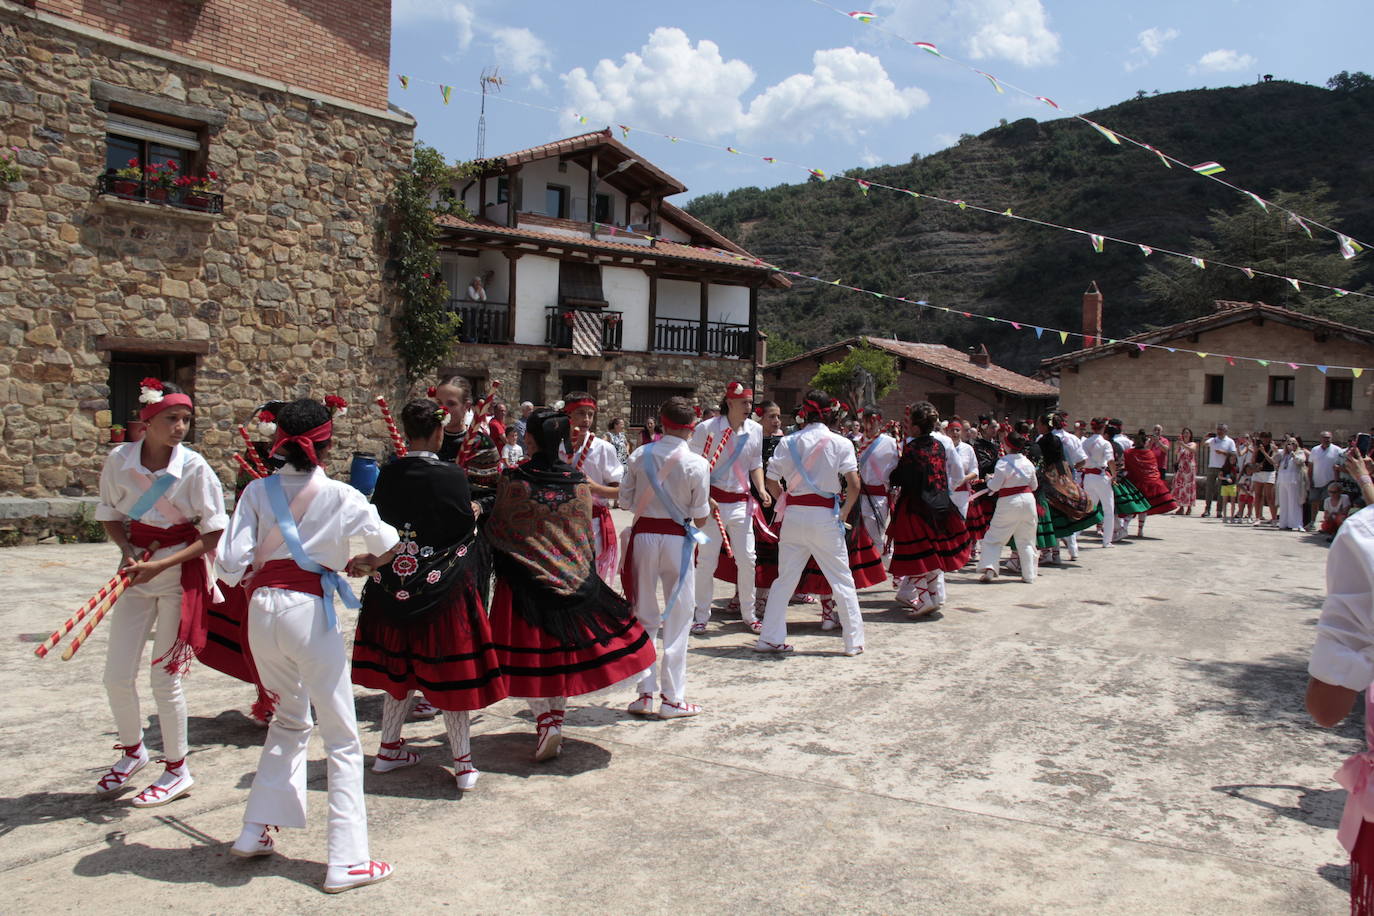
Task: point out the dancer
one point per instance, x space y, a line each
559 630
1098 470
1142 469
735 455
172 504
929 536
1013 480
1072 453
1069 509
878 456
598 462
423 624
977 513
667 487
809 462
1127 498
293 530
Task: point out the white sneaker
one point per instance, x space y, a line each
342 878
670 710
116 778
393 758
174 782
253 841
464 773
423 709
643 705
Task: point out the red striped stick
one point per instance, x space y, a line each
586 447
253 455
99 616
396 439
479 410
248 468
715 513
97 599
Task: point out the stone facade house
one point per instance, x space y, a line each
1178 389
957 383
629 297
269 287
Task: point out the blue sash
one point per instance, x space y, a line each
695 536
811 481
332 583
740 441
150 496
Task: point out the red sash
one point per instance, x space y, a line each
1012 491
874 489
725 496
195 592
964 488
811 499
1094 470
285 574
643 525
605 560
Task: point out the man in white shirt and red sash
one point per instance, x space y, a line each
735 455
1099 469
878 455
596 458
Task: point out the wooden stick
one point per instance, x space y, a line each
99 616
396 439
253 455
96 599
706 447
479 410
586 447
248 468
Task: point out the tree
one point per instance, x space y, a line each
1345 81
1266 240
843 379
781 347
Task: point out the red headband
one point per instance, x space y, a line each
306 440
168 400
737 392
669 424
570 406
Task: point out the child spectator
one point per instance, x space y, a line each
1228 509
1245 491
511 453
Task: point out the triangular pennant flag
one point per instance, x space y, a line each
992 79
1200 354
1199 263
1063 336
1349 247
1209 168
863 186
1230 361
1146 250
405 81
1104 132
1296 285
1292 365
1049 102
1140 347
1015 325
1098 242
1322 369
1171 349
861 16
1112 342
1262 362
769 159
445 91
1259 200
1162 158
674 139
817 173
960 204
581 119
1358 372
968 314
1038 332
1007 212
1248 272
624 130
1342 292
731 149
914 194
927 46
1294 218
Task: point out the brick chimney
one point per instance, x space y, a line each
1092 316
982 359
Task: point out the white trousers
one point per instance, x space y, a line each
151 607
739 523
810 531
1015 517
302 662
658 558
1099 490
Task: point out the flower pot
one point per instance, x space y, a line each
134 431
195 200
116 436
157 195
127 188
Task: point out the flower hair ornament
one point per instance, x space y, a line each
442 416
150 391
267 423
338 407
431 391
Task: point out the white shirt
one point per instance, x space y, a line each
1220 447
337 513
602 464
685 476
512 455
1124 441
826 455
1325 460
196 492
1344 651
1073 447
968 461
477 293
879 460
1097 451
1013 470
732 477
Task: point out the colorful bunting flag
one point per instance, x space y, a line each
995 85
1322 369
1038 332
1349 247
1199 263
927 46
1049 102
1140 347
1015 325
1257 199
861 16
1342 292
769 159
1262 362
914 194
863 185
674 139
1230 361
1358 372
445 91
1171 349
1146 250
405 81
1250 274
731 149
1007 212
1292 365
1063 336
1295 283
961 205
817 173
1104 132
1098 242
1201 355
581 119
624 131
1294 218
1162 158
1209 168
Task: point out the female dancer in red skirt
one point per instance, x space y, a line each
928 534
423 624
1142 469
559 630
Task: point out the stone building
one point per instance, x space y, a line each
270 287
1178 389
957 383
630 298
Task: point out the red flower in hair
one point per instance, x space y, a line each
334 402
267 416
431 391
150 382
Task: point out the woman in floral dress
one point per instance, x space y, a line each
1185 478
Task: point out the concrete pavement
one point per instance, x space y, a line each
1126 735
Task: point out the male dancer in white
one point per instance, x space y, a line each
738 460
1074 455
596 458
1123 442
1013 483
811 461
961 491
878 455
1099 469
667 487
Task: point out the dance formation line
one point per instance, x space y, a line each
1096 239
1349 246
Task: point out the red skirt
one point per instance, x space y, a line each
448 655
865 562
979 517
765 558
918 547
535 665
1156 493
226 645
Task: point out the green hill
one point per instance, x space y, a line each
1272 137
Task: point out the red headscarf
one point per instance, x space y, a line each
306 440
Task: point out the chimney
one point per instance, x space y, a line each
982 359
1092 316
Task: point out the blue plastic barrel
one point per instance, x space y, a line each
362 474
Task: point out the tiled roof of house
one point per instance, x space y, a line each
946 359
587 141
1226 312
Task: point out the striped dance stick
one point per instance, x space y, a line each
253 455
396 439
715 456
99 616
248 468
97 599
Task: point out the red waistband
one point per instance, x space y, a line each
725 496
811 499
874 489
600 509
648 525
287 575
1012 491
142 535
1094 470
964 488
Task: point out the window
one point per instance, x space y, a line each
128 369
1214 389
605 211
1340 393
570 381
556 201
943 401
579 284
532 385
1281 390
502 190
175 149
645 401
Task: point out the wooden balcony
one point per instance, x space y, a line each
483 322
558 327
683 335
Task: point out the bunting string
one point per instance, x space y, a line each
1349 247
1098 240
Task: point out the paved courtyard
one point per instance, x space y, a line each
1125 736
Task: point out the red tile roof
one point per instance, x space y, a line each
946 359
595 139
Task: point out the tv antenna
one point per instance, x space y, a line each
489 81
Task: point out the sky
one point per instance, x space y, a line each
799 81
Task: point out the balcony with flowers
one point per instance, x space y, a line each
162 184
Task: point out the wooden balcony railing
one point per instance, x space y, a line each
682 335
558 326
483 322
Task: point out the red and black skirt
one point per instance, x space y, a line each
226 644
978 519
1158 495
920 546
865 562
536 664
765 558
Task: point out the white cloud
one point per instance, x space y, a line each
520 49
1150 44
1013 30
671 84
1224 60
408 12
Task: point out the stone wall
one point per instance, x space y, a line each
1168 388
282 295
